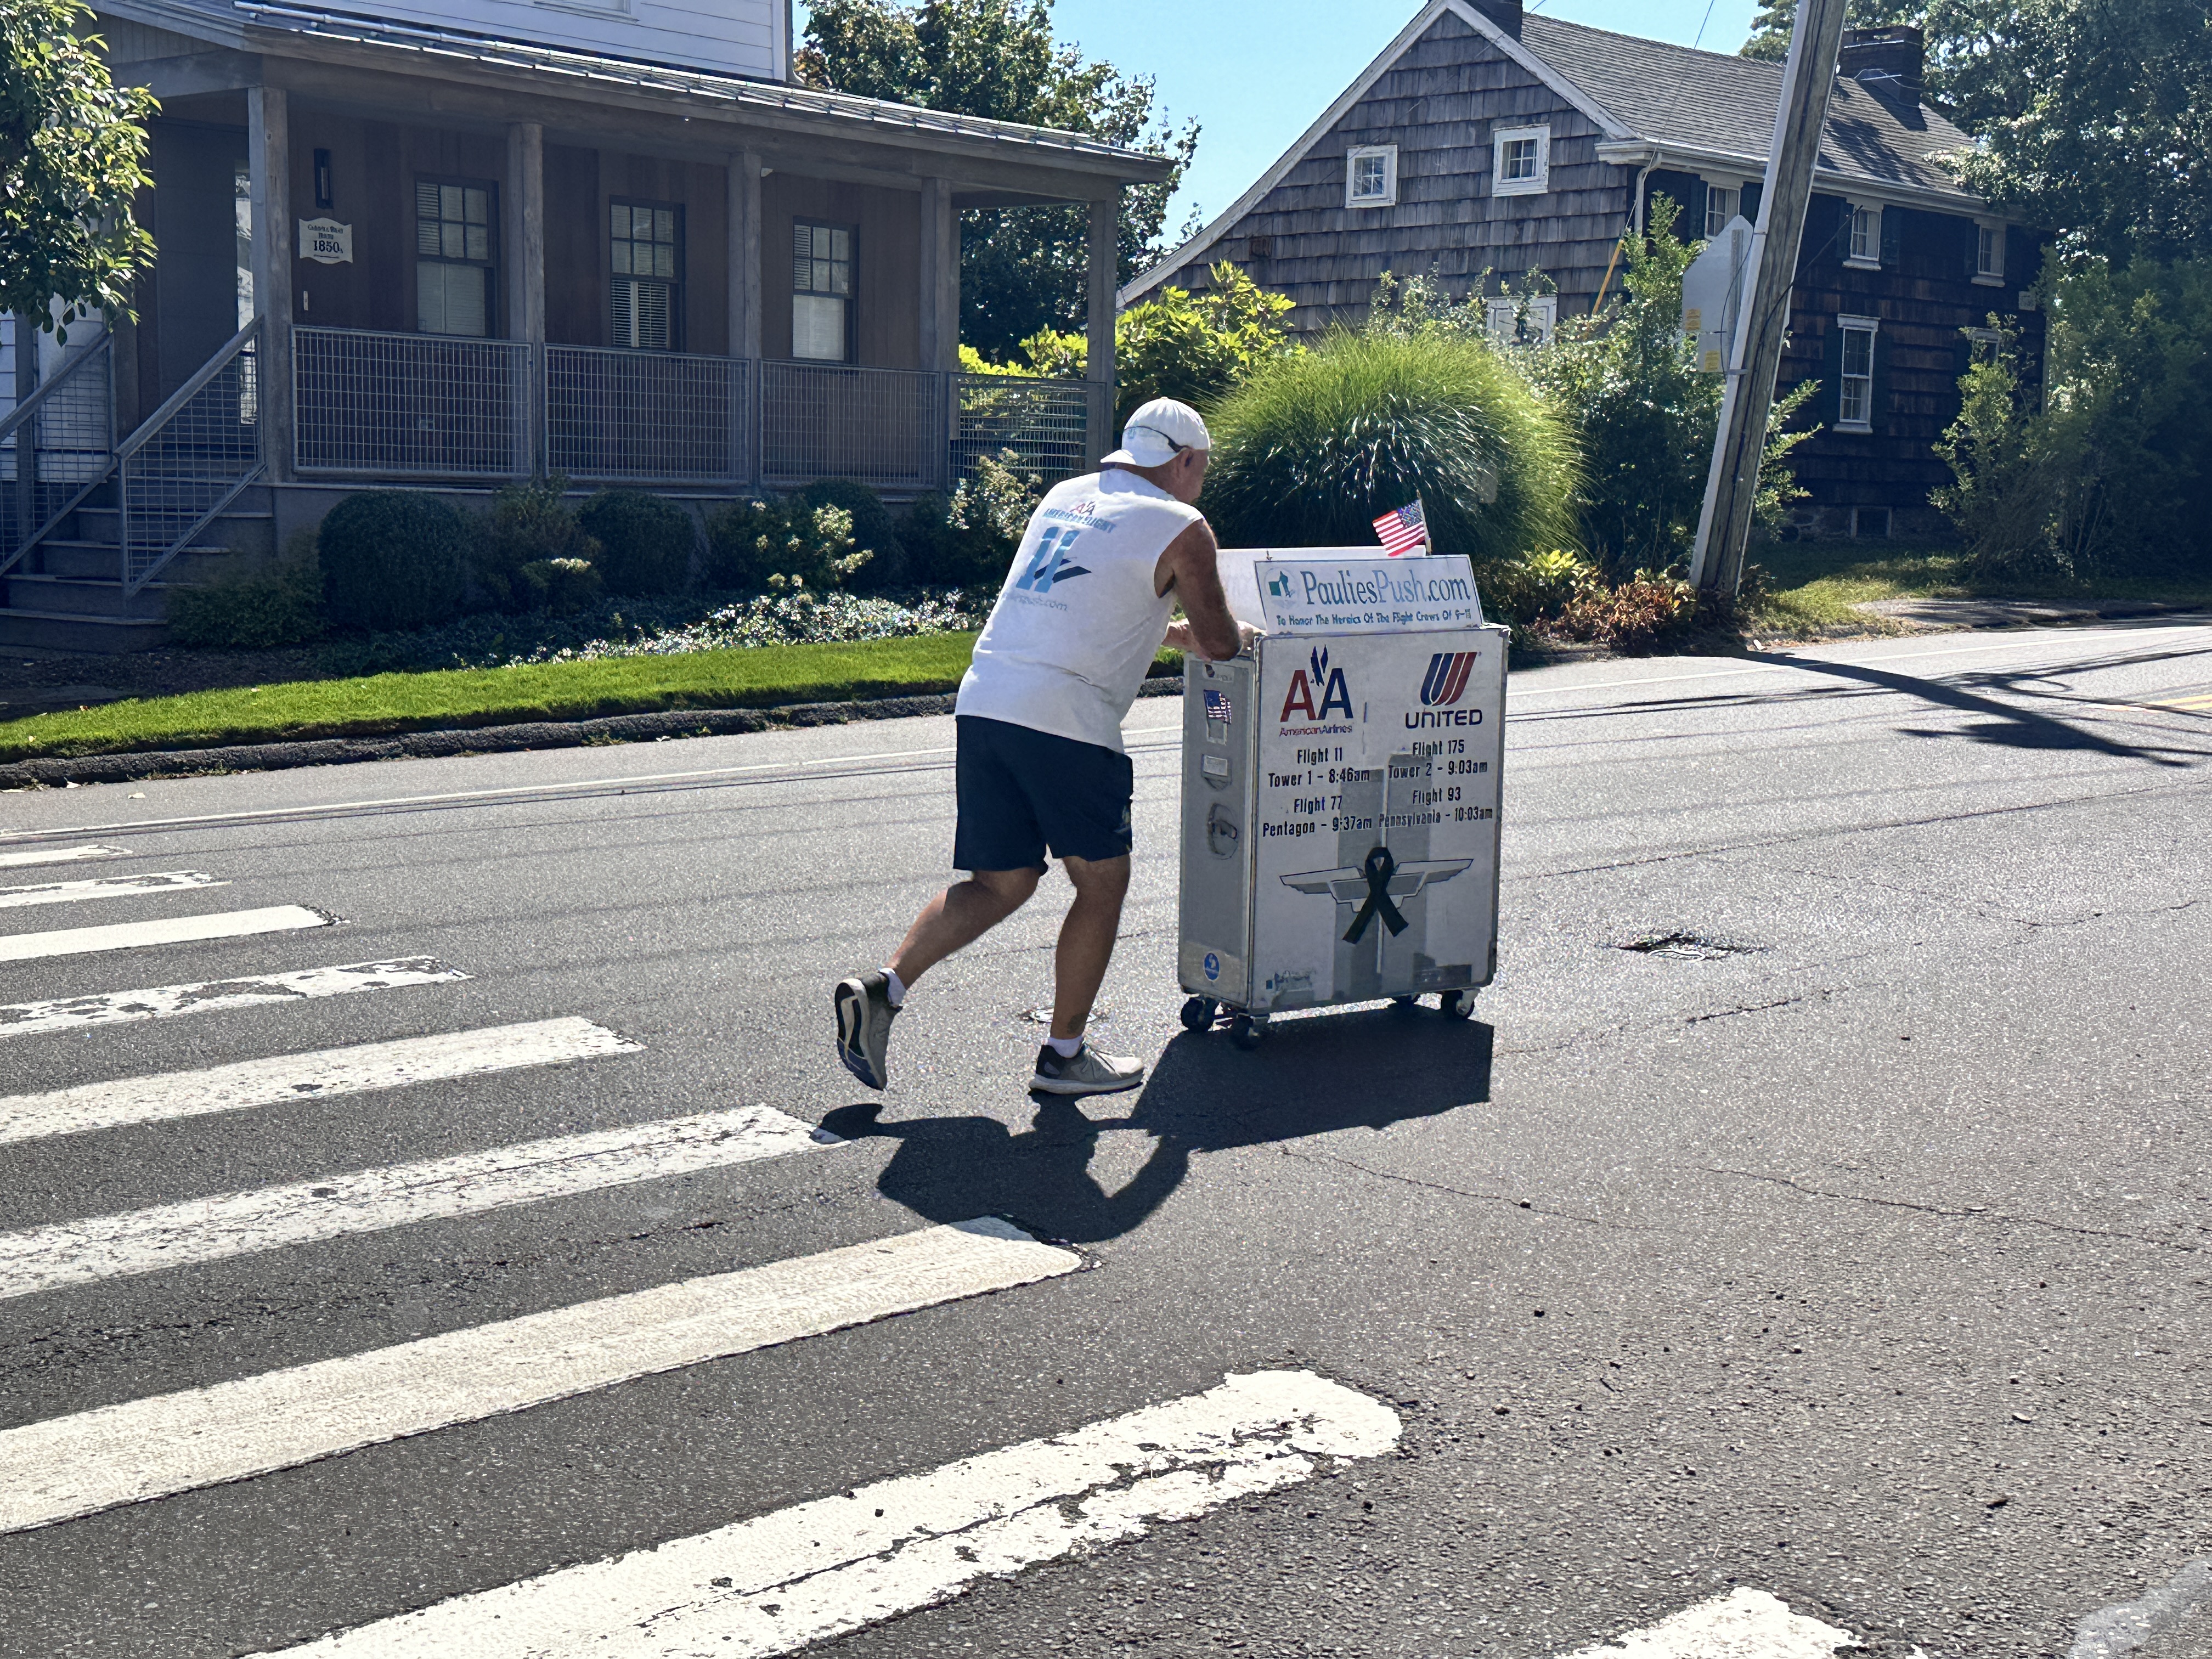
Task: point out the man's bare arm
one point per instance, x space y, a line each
1190 568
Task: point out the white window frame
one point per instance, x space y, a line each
1867 214
1353 157
1991 337
1871 328
1988 243
1734 188
1499 315
1535 186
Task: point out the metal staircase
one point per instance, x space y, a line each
95 534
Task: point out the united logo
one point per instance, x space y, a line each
1446 681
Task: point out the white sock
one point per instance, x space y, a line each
894 988
1066 1048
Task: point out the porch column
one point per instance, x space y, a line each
523 230
938 306
269 166
744 254
743 281
1104 239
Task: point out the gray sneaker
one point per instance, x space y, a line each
863 1027
1086 1072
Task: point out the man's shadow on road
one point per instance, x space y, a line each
1204 1095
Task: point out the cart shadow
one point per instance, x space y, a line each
1311 1077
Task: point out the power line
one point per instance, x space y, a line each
1699 41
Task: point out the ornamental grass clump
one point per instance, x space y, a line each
1310 448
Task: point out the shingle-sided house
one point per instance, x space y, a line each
1486 140
452 244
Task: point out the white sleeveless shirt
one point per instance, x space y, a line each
1078 624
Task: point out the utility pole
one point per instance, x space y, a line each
1732 488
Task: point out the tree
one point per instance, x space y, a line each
1770 28
2092 118
1022 270
72 157
1190 347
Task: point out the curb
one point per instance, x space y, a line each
479 740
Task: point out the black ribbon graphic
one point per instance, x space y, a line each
1379 869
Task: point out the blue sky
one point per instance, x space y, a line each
1255 73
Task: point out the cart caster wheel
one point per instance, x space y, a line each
1456 1004
1244 1033
1198 1014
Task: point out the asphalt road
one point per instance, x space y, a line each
1852 1250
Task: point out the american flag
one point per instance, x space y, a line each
1402 532
1217 706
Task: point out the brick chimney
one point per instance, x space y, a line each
1892 60
1506 14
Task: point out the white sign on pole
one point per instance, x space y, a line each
1712 295
327 241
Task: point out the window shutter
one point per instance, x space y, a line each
1693 227
1752 195
1830 402
1878 412
1893 236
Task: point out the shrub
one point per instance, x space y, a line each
874 531
645 543
252 609
761 546
985 521
1534 586
2105 468
391 560
528 524
1632 615
559 588
1309 449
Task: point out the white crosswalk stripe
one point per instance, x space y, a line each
205 1229
55 855
70 892
405 1063
786 1581
1745 1624
72 1465
175 930
217 996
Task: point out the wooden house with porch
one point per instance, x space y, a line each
1486 143
451 246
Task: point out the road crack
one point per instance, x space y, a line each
1952 1212
1529 1205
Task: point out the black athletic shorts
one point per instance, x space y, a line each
1022 792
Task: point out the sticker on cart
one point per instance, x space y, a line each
1212 965
1368 595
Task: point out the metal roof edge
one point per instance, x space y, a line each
1636 151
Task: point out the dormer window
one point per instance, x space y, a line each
1370 176
1863 231
1521 161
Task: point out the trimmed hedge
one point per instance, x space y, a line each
645 543
392 560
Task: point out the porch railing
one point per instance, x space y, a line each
881 427
190 458
411 406
401 406
647 416
55 446
1046 423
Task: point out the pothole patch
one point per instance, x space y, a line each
1681 946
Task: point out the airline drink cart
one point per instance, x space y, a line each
1340 791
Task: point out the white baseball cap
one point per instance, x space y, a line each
1157 433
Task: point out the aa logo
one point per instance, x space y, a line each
1326 681
1446 678
1048 564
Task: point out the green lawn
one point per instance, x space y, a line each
1817 584
384 703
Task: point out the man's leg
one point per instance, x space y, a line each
1086 940
962 914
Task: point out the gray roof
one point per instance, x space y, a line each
1715 101
563 70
